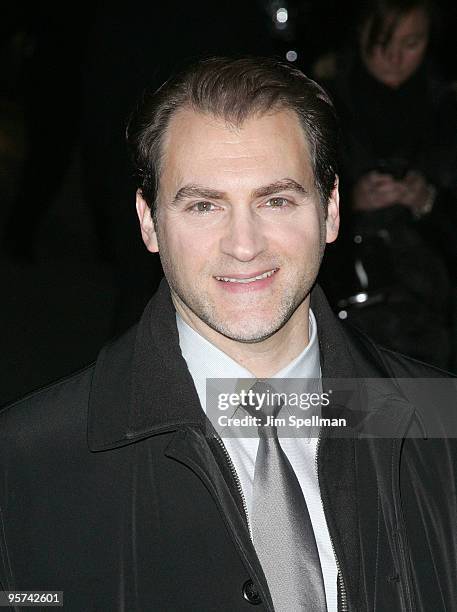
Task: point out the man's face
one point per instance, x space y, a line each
394 63
240 227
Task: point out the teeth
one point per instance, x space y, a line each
227 279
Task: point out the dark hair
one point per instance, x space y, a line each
382 17
234 89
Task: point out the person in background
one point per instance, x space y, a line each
397 166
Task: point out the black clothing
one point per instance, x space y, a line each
113 489
417 122
409 265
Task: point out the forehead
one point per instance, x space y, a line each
411 23
202 148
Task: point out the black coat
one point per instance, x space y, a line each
111 491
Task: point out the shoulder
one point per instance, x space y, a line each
391 363
68 397
407 367
443 91
431 393
48 411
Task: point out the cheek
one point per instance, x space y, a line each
375 65
298 238
379 65
414 58
184 251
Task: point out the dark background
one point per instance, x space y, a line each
74 271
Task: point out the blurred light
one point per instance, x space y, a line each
360 298
343 314
282 15
358 239
291 56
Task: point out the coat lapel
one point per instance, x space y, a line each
141 384
350 498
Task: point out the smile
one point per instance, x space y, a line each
250 279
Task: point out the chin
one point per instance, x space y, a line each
395 81
249 331
246 337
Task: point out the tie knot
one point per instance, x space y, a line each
264 403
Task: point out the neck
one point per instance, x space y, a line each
263 359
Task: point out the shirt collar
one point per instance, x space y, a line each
307 364
205 360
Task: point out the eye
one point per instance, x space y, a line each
412 43
202 207
277 203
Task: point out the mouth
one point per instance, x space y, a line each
243 279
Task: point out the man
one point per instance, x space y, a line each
116 488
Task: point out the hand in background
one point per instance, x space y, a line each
415 193
375 190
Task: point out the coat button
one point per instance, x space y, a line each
250 593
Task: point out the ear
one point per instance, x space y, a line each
333 214
148 231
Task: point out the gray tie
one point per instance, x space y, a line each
282 532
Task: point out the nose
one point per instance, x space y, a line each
394 55
244 237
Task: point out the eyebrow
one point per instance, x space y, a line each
286 184
198 191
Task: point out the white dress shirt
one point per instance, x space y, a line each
205 360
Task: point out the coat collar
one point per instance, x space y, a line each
141 383
142 386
